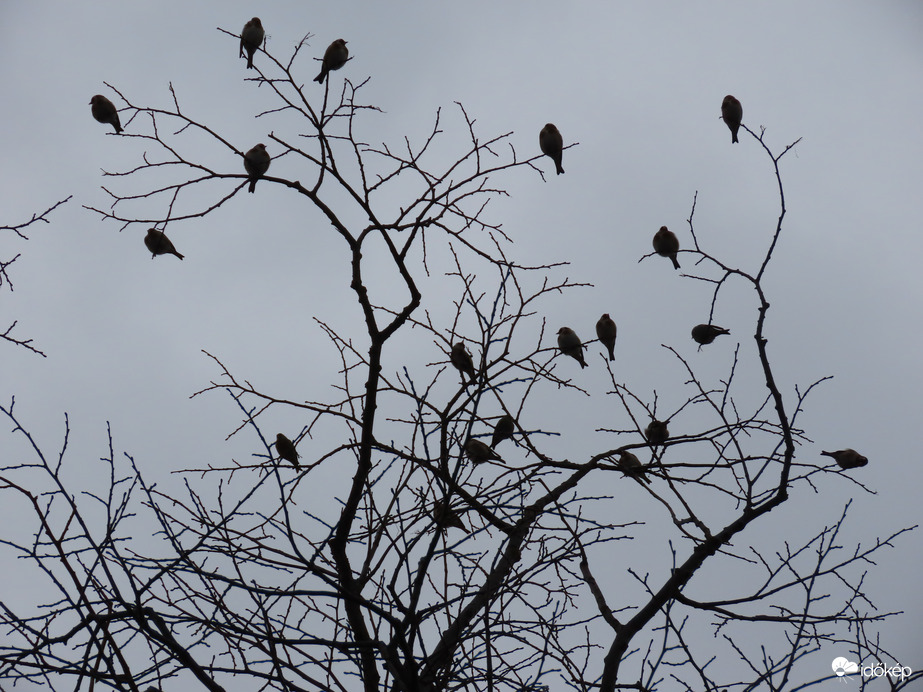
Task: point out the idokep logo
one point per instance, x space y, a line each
843 666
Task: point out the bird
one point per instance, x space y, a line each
666 244
256 163
706 333
462 361
570 345
286 449
503 430
446 517
656 432
479 452
733 113
251 38
335 57
606 331
552 144
631 466
158 243
847 458
105 112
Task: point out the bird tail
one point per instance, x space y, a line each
252 187
559 167
675 261
734 139
320 78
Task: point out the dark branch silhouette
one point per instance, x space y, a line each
429 564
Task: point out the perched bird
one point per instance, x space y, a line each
251 38
256 162
666 244
104 111
335 57
446 517
631 466
733 113
552 144
461 359
158 243
479 452
706 333
656 432
570 345
286 449
847 458
606 331
503 430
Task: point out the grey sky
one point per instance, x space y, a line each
637 85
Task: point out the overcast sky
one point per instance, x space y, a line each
637 85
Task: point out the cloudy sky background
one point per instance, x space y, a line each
638 86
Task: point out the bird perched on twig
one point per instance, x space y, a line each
158 243
631 466
104 111
656 432
286 450
251 38
552 144
733 114
461 359
570 345
666 244
256 163
503 430
446 517
606 332
335 57
847 458
706 333
479 452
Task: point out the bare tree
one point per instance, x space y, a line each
19 231
440 565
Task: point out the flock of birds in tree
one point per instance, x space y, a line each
257 159
551 143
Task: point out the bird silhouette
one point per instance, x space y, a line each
631 466
656 432
335 57
286 450
158 244
256 163
552 144
666 244
847 458
251 38
461 359
104 111
570 345
503 430
706 333
733 114
606 331
446 517
479 452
